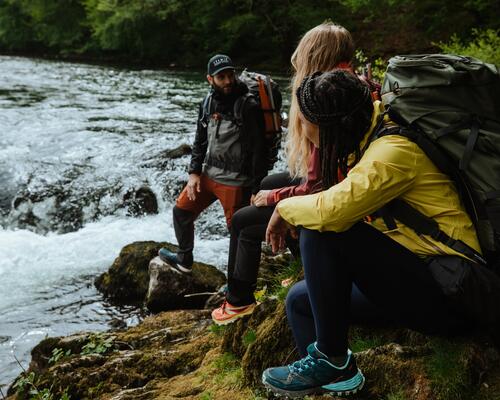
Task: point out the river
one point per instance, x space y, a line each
74 140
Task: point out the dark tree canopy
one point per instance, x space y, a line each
255 32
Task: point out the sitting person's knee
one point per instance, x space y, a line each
297 299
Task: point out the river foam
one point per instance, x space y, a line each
46 280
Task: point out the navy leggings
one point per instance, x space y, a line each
361 275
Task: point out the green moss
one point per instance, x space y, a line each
361 341
95 391
249 337
228 370
217 330
398 395
446 370
290 274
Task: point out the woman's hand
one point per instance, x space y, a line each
260 199
277 230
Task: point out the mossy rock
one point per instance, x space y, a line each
398 363
261 340
162 346
127 280
181 355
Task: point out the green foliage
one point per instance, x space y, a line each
98 344
249 337
399 395
446 370
256 33
58 25
228 370
26 385
285 278
217 330
24 382
378 66
16 26
58 354
95 391
485 45
361 342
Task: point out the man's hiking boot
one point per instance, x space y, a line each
172 259
314 374
228 313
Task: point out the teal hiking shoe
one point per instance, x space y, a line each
314 374
172 259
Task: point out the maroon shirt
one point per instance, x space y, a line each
311 184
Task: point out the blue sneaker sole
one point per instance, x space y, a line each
279 392
346 388
341 389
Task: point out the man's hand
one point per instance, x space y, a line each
260 199
277 230
193 186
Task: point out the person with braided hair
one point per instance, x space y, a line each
341 248
327 47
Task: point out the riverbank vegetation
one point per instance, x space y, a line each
255 32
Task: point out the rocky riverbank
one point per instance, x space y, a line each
179 354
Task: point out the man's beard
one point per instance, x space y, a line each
221 89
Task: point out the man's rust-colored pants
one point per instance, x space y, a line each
186 211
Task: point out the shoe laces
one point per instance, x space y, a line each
303 364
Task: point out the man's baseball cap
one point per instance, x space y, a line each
219 63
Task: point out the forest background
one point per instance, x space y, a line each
256 33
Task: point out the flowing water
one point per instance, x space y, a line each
76 142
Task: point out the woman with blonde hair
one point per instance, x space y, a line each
325 47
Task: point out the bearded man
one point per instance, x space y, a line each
228 159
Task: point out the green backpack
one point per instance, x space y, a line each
450 106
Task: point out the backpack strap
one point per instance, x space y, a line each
206 108
471 122
442 162
239 106
414 219
424 225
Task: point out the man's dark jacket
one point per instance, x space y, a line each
253 129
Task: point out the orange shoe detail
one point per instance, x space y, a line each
228 313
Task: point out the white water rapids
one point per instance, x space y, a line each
74 139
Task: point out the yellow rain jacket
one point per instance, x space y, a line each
391 167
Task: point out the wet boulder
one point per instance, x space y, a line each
140 201
180 151
172 290
163 159
128 280
50 211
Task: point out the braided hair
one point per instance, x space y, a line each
341 105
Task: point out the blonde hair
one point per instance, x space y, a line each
321 49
